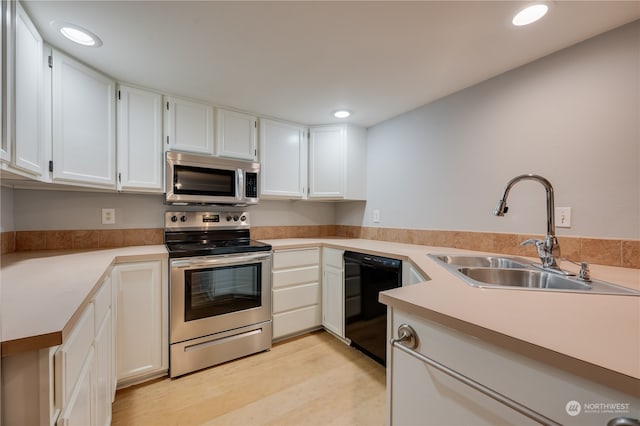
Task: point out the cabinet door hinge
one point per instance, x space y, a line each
119 98
119 177
167 105
51 165
167 139
255 153
50 61
255 124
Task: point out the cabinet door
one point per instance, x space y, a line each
103 376
79 410
142 336
326 162
84 147
29 141
189 126
140 149
6 72
236 135
333 300
283 160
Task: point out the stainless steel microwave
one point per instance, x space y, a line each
202 179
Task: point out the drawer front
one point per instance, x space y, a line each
296 297
299 320
72 354
292 258
289 277
102 303
332 257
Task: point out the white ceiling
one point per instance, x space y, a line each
300 61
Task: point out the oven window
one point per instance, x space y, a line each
222 290
203 181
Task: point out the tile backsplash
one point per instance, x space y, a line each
625 253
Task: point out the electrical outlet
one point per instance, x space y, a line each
108 216
563 217
376 216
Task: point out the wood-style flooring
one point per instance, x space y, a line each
310 380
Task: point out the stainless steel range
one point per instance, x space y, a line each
220 289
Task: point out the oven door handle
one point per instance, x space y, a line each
218 261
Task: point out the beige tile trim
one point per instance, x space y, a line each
625 253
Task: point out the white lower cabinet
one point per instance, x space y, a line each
296 291
560 390
80 405
333 291
141 321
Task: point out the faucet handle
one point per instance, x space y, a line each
585 273
531 242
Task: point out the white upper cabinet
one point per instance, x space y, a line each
236 135
29 104
283 160
6 52
337 162
189 125
140 148
84 143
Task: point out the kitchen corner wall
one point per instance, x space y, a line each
573 117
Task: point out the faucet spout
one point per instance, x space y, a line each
548 250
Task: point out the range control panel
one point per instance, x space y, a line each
206 220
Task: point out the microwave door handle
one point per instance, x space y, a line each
239 185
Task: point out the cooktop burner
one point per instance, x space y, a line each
189 234
188 249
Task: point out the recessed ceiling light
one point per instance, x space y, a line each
530 14
342 113
77 34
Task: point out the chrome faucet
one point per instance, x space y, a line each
549 249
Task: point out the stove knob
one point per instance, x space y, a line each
243 218
235 218
183 218
228 218
174 218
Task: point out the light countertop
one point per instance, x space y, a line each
603 330
43 293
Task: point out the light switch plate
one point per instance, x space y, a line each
108 216
563 217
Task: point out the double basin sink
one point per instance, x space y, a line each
518 273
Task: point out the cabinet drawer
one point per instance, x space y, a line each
102 303
332 257
289 298
292 258
288 277
296 321
72 355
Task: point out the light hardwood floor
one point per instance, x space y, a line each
310 380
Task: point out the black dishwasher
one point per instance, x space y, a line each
365 318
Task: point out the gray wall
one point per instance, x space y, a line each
6 210
573 117
53 209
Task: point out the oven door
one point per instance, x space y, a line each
213 294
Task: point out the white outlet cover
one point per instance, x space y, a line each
376 216
563 217
108 216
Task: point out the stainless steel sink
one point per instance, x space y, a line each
525 278
483 261
518 273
